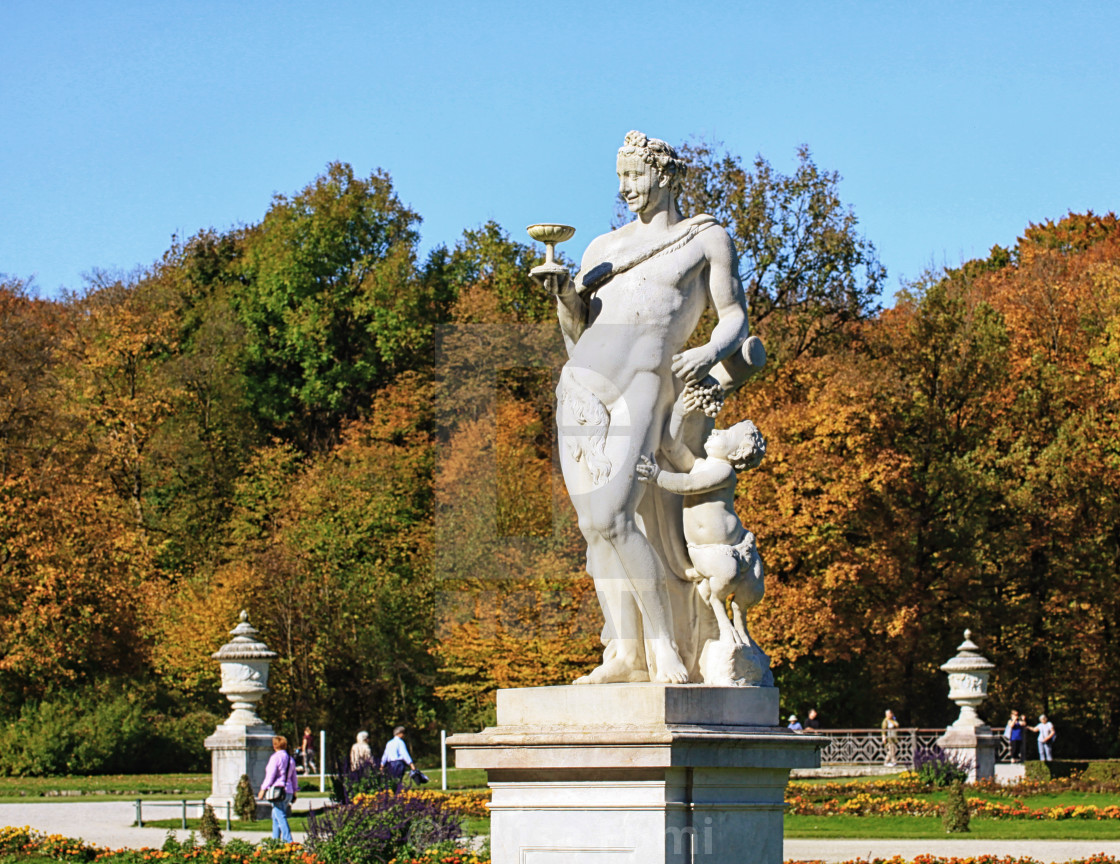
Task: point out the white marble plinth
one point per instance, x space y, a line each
974 745
637 773
236 750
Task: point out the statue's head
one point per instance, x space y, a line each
654 152
742 445
649 171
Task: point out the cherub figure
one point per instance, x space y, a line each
725 561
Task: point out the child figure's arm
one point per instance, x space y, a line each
707 477
691 422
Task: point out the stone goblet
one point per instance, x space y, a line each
550 233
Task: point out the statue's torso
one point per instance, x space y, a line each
640 318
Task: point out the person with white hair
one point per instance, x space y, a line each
1045 730
360 753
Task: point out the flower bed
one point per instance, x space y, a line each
882 805
908 784
28 841
468 803
978 859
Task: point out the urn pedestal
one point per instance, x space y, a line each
243 743
637 773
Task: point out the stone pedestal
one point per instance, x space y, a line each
637 773
236 750
972 745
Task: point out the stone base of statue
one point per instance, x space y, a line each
637 773
974 746
236 750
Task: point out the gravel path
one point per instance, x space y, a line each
109 823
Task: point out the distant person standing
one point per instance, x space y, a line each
1007 732
360 754
1018 725
1045 730
812 722
794 724
889 728
396 756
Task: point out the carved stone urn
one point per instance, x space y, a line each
968 681
970 741
245 661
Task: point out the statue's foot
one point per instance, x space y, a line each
614 672
670 669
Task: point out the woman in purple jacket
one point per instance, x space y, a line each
280 774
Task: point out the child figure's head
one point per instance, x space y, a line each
742 445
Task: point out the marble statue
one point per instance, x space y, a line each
632 399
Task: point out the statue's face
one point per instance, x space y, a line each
639 184
721 443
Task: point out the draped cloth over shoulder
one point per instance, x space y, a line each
597 276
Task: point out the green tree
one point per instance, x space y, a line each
332 305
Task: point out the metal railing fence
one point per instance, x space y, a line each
876 747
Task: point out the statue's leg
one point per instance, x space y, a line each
749 584
720 565
629 575
582 425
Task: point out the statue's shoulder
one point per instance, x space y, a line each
712 234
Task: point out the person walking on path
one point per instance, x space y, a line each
889 728
279 787
306 751
396 756
1045 730
360 754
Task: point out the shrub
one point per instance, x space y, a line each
955 815
935 767
384 826
1103 771
208 827
96 731
366 779
179 743
106 728
1039 771
244 803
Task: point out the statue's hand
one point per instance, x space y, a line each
647 469
554 277
693 364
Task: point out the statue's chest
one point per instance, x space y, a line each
665 283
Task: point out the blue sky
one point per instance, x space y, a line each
953 124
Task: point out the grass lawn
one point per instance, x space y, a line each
929 827
118 787
457 778
295 822
133 785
